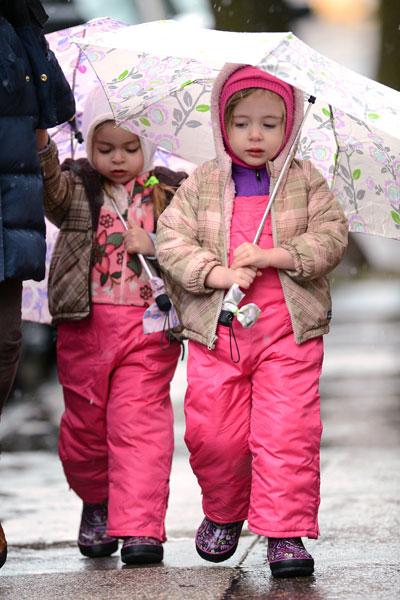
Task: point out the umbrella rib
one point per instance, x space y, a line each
336 162
74 72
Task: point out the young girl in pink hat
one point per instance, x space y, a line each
253 427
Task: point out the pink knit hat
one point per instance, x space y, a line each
249 77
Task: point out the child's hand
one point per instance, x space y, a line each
244 276
137 240
247 255
222 278
42 139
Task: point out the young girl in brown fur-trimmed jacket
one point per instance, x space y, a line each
116 435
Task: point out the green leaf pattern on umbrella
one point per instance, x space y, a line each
352 135
79 73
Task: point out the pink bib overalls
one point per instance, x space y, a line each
253 428
116 434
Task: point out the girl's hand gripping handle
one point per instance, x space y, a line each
230 305
247 315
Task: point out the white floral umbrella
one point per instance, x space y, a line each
159 75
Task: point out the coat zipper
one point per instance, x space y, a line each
214 337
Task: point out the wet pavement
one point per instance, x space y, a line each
357 555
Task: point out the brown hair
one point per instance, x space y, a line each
161 195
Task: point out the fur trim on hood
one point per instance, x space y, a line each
97 110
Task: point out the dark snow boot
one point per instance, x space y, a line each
141 550
217 542
287 557
93 540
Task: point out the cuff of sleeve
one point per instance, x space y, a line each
48 151
197 285
44 151
297 272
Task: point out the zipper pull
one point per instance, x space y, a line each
258 175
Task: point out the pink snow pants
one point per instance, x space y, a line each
116 434
253 429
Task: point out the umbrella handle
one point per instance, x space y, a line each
163 302
229 305
226 318
234 295
160 295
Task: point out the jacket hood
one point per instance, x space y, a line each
97 110
223 157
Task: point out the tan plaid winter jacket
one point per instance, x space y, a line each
193 237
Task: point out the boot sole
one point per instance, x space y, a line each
216 558
292 568
98 550
3 557
142 555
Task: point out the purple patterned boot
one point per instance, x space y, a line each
217 542
141 550
93 540
287 557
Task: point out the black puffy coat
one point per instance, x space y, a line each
33 94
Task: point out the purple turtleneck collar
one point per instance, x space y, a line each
250 181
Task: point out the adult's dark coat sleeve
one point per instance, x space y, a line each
25 105
55 100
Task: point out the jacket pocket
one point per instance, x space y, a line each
69 275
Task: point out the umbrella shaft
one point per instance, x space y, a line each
141 258
282 174
145 265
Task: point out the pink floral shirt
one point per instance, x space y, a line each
117 277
